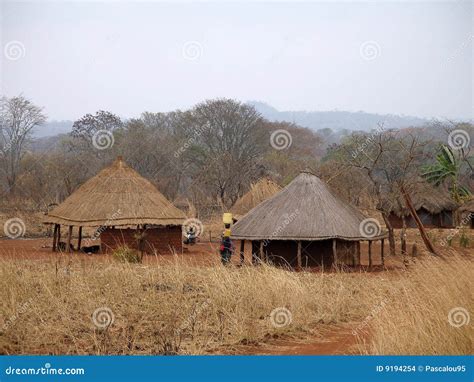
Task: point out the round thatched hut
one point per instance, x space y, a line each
125 209
306 225
434 207
259 192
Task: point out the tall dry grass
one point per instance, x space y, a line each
47 306
431 312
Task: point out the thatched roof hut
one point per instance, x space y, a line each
433 205
116 196
467 213
307 214
259 192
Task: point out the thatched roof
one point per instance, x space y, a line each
259 192
423 195
117 195
304 210
468 206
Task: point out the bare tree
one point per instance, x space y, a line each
18 117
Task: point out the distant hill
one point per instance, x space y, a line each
338 120
52 128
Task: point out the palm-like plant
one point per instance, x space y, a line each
447 170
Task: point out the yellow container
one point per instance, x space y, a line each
227 218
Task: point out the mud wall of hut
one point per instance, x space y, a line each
161 240
313 253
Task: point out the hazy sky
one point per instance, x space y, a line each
74 58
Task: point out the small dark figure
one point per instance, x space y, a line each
91 249
226 250
190 236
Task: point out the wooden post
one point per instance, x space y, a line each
55 235
381 251
370 254
334 252
69 237
261 251
79 239
298 255
242 247
58 239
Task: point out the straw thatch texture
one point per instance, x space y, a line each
259 192
303 210
467 207
423 195
116 196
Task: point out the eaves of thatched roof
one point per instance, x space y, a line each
304 210
116 196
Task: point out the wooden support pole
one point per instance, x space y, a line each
55 236
298 256
381 251
58 239
334 252
242 248
370 253
69 237
261 252
79 239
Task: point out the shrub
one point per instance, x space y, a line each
127 255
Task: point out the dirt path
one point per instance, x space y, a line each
329 340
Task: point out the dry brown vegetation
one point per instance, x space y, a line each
47 306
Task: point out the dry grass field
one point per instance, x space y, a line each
79 304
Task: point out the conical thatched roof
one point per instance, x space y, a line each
117 195
304 210
259 192
423 195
